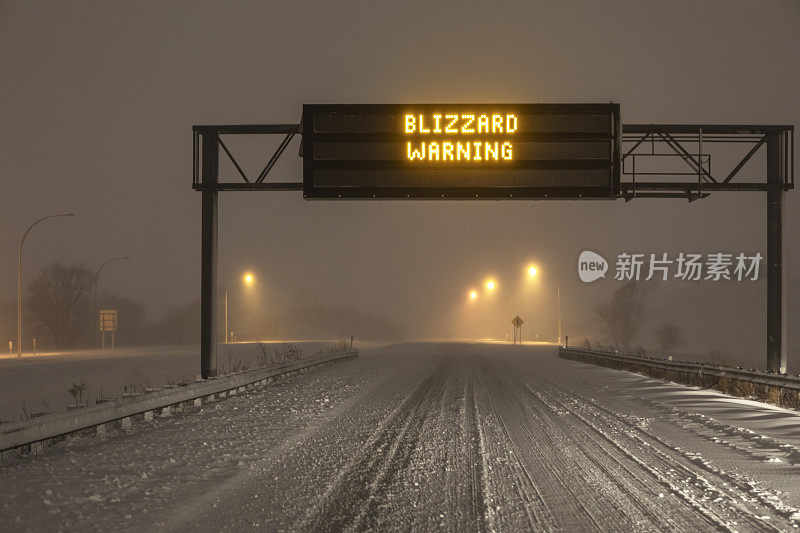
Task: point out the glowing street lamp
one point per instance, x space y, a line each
247 279
490 285
473 295
532 271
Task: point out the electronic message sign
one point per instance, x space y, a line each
461 151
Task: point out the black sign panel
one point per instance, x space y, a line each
461 151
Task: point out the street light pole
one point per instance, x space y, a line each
96 276
226 316
533 272
558 304
248 280
19 278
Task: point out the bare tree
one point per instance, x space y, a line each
669 337
57 300
623 314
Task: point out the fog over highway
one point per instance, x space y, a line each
455 436
357 266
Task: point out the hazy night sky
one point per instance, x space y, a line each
97 101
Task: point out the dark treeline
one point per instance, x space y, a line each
338 321
59 312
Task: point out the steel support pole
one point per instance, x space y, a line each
776 271
226 316
558 302
208 265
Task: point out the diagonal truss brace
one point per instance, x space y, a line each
289 131
674 137
271 163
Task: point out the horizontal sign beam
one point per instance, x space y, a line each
706 129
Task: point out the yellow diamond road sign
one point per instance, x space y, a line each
517 321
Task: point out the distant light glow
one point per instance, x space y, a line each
532 271
248 278
473 295
490 285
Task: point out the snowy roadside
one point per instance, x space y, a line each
125 479
42 384
759 440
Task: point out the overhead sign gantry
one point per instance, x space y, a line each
499 151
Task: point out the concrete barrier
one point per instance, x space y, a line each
37 430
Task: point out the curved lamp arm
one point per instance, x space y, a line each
19 277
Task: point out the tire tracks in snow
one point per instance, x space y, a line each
724 500
351 498
475 455
437 419
749 490
546 479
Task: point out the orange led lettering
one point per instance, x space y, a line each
497 123
468 121
411 124
483 124
460 136
450 128
433 148
422 128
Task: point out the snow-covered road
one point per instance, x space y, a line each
430 436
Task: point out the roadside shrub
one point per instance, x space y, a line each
262 357
744 388
774 395
235 364
77 391
336 347
290 352
720 358
278 354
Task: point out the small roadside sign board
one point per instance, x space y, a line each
108 320
517 321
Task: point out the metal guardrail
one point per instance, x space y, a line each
769 379
29 432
